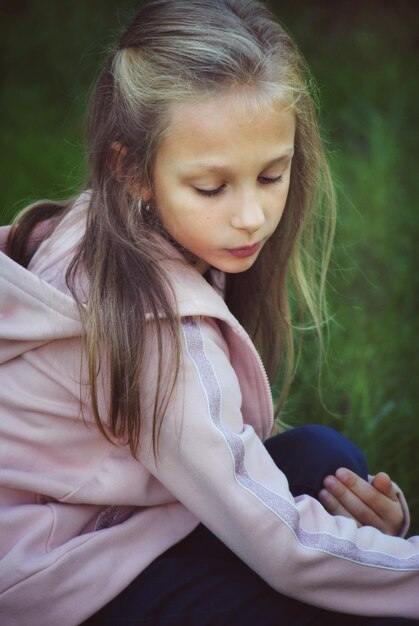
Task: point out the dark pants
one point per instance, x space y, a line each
200 582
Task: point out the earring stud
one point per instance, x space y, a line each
143 206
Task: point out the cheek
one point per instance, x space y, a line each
284 195
168 206
278 208
279 202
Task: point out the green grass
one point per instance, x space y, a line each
365 60
366 65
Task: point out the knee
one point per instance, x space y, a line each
331 449
306 454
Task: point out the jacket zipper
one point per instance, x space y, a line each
263 376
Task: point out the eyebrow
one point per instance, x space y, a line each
215 167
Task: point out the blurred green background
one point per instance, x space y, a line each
364 55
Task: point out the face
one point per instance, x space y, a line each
221 179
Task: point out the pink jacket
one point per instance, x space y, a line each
80 517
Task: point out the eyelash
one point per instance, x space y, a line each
264 180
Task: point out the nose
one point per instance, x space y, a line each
248 214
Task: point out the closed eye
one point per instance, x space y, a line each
267 180
209 192
264 180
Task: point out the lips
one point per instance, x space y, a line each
246 251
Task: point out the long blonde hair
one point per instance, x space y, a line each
173 51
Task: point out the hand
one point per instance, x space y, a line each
369 504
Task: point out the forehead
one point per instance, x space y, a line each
228 126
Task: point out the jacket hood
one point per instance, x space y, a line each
36 306
32 312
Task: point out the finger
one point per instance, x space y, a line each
362 511
369 503
382 482
333 506
369 494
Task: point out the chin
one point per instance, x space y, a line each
240 267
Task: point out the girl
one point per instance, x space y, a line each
134 403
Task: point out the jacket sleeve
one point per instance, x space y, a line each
217 466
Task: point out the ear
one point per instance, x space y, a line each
116 164
115 159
